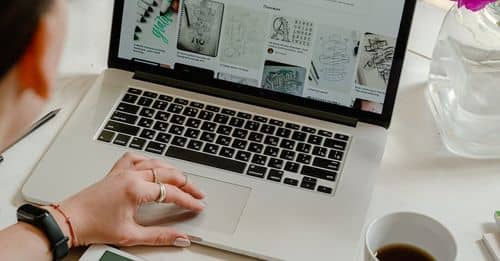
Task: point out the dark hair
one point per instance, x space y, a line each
19 20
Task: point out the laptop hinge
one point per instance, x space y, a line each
245 98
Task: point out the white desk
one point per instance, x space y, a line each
417 172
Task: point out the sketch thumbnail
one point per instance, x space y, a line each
237 79
292 30
243 42
376 55
200 27
284 78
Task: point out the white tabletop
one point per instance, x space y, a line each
417 173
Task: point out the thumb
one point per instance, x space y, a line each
162 236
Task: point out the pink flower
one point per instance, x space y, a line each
474 5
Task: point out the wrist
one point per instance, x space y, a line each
61 221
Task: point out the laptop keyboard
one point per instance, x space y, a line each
241 142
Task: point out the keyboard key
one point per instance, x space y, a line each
145 123
178 119
318 173
260 119
324 189
319 151
206 115
122 140
257 137
134 91
287 155
271 140
284 133
255 147
275 175
207 136
197 105
243 115
309 129
291 182
193 123
227 152
181 101
130 98
192 133
212 108
205 159
307 185
211 148
287 144
106 136
128 108
221 119
195 145
304 158
276 122
160 126
146 102
341 137
179 141
259 159
190 112
147 112
256 171
166 98
305 148
150 94
268 129
292 126
243 156
292 167
335 144
175 108
162 116
208 126
252 125
122 128
239 144
224 130
316 140
326 164
228 112
163 137
148 134
155 147
137 143
271 151
176 130
160 105
276 163
299 136
336 155
240 133
325 133
236 122
223 140
124 117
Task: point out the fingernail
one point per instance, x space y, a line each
203 203
182 242
204 193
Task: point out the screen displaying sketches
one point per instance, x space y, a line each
339 52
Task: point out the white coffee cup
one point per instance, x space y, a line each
413 229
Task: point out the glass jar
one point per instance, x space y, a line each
464 82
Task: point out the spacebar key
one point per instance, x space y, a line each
205 159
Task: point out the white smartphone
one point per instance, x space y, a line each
107 253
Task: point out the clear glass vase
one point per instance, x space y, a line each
464 82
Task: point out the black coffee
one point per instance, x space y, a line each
403 252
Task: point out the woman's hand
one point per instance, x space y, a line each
105 212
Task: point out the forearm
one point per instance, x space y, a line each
23 241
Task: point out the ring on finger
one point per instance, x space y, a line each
185 180
163 193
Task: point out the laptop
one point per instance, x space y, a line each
279 110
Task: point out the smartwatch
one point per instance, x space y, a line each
43 220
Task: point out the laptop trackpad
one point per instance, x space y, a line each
225 204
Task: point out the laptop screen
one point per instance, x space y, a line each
334 51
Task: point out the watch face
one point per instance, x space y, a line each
31 212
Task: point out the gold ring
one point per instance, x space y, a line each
163 193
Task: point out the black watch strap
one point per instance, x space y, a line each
43 220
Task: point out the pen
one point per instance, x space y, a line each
49 116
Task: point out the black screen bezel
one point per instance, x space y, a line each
262 96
